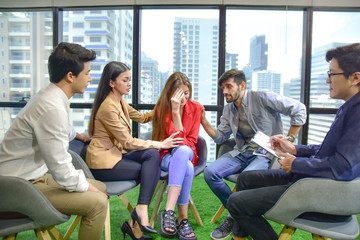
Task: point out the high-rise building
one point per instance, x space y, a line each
100 31
258 53
150 80
267 79
23 60
258 59
196 55
231 61
319 93
26 43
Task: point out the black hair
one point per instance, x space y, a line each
111 71
238 76
348 58
68 57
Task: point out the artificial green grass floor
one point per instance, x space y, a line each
205 201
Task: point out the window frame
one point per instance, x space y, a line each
308 12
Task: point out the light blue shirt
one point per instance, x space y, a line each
263 109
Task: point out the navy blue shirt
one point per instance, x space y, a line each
338 157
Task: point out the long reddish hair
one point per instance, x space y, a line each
163 105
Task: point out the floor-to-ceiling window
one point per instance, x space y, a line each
267 46
25 44
267 43
330 30
186 41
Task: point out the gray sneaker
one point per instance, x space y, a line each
223 230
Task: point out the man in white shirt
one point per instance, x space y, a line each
35 147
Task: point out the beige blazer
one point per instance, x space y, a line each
112 133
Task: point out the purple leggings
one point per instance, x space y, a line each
181 171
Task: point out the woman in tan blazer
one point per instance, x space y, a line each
110 156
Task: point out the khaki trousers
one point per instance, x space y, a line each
90 205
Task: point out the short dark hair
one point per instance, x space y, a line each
348 57
239 76
68 57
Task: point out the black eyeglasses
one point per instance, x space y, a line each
333 74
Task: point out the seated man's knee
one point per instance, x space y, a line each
96 203
244 179
234 202
210 174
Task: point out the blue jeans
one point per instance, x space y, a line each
227 165
181 171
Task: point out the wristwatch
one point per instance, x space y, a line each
291 138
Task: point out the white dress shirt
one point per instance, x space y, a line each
38 140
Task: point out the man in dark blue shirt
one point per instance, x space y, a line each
338 157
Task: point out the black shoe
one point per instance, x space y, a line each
144 229
126 229
223 230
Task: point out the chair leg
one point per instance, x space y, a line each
159 199
218 214
286 233
42 234
126 202
195 212
54 233
10 237
318 237
220 210
72 227
107 224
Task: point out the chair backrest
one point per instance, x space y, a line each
21 196
317 195
79 163
201 148
226 146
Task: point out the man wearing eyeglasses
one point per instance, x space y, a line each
337 158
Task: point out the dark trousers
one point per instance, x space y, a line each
142 166
257 192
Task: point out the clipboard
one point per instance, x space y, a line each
263 141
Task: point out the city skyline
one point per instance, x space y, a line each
104 31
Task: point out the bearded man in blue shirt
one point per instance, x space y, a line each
337 158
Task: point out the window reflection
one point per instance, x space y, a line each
7 116
180 41
319 125
267 46
325 37
108 33
185 41
23 61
